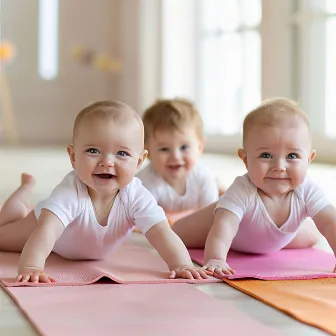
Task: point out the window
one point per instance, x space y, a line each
216 59
315 31
229 62
227 57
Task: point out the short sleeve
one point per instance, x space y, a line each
143 208
209 190
148 180
237 198
63 201
314 198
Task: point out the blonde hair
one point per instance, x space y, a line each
272 112
172 114
114 109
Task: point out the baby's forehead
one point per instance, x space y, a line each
128 129
284 120
186 131
278 136
130 121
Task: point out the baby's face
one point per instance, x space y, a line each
106 154
277 157
173 153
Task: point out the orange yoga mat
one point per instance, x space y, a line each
310 301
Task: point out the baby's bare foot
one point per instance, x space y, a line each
27 180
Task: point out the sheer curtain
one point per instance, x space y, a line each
228 55
212 54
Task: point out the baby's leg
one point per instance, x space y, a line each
194 229
307 236
14 235
17 206
17 221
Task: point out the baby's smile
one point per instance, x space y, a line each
175 167
104 176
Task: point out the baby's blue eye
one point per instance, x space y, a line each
92 151
184 147
164 149
266 156
292 156
122 153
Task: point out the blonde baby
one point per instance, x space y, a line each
264 210
97 205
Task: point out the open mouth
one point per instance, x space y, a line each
175 167
104 176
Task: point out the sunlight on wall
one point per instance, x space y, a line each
48 39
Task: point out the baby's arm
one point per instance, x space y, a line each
38 247
173 252
325 221
218 243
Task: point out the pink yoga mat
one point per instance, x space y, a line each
178 309
131 263
285 264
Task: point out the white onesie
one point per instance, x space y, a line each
201 189
84 237
257 233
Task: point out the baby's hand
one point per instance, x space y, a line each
187 272
32 274
218 268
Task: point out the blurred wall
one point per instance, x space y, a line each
45 110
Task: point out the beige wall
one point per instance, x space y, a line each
45 110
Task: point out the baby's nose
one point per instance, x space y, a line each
176 153
280 165
108 161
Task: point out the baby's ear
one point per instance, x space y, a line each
201 145
312 155
142 158
242 155
71 152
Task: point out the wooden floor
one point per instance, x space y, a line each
49 165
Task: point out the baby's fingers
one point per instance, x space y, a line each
203 274
25 278
46 278
185 274
198 273
172 275
225 271
208 269
220 272
18 278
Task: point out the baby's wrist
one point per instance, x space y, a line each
29 269
213 261
181 267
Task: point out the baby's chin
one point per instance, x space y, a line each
276 191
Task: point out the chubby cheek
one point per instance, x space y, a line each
159 161
254 167
190 162
87 163
127 168
257 171
298 174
